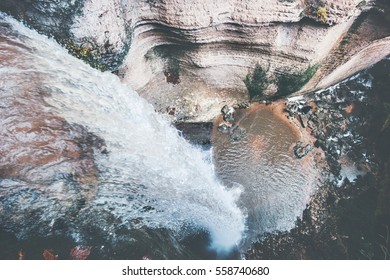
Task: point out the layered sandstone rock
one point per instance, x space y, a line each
190 57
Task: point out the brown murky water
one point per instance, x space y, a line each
276 186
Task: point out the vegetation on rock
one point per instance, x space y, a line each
86 53
317 10
322 14
256 83
289 82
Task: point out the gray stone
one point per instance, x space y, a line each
224 127
237 134
303 120
228 113
300 149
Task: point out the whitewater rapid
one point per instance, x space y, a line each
149 173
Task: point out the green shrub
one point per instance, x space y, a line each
256 82
289 82
322 14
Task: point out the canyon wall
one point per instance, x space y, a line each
189 57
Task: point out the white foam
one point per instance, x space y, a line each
147 158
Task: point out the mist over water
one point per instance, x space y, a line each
149 175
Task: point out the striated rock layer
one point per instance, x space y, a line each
189 57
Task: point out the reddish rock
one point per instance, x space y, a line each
80 252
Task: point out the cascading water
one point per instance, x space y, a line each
148 176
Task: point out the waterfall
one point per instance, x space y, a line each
146 157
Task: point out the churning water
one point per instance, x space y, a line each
80 150
148 176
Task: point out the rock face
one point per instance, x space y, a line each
193 55
212 47
51 17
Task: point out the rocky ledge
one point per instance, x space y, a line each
348 217
193 55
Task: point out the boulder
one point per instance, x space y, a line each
196 133
228 113
224 127
301 149
237 134
303 119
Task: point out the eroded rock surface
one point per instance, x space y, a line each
192 55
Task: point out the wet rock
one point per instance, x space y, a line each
310 124
242 105
334 166
347 220
292 108
299 109
319 144
237 134
303 119
267 102
306 109
196 133
228 113
321 116
224 127
66 22
300 149
225 110
50 17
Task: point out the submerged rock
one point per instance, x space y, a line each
224 127
237 133
300 149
